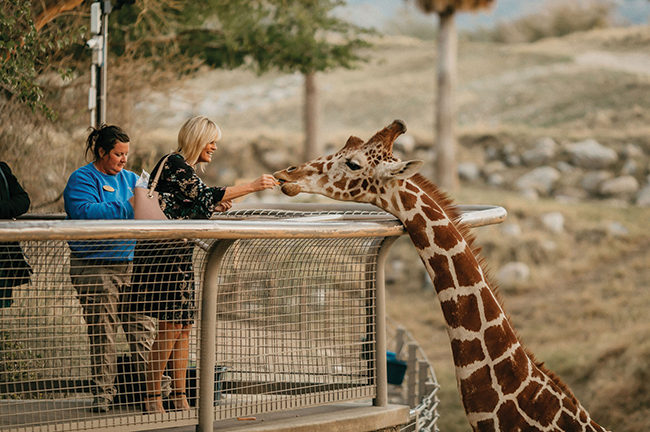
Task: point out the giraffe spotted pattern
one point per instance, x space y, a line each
502 386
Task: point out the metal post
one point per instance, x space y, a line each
98 77
101 117
207 357
382 374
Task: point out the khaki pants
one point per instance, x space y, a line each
99 285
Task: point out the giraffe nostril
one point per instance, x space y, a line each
292 169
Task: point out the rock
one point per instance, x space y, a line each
617 229
468 171
542 152
591 154
491 153
511 229
530 194
565 167
592 180
619 186
495 179
632 151
405 143
513 160
553 221
540 179
630 167
571 195
493 167
509 149
643 197
513 273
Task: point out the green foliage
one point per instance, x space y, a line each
19 50
26 55
290 35
174 36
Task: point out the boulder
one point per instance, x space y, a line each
643 197
632 151
405 143
630 167
513 273
619 187
593 179
553 221
591 154
468 171
540 179
542 152
493 167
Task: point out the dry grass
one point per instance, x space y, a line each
584 310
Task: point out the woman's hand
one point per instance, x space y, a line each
223 206
266 181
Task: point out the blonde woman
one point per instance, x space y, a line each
163 277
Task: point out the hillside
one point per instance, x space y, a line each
584 308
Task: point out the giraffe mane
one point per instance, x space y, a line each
451 210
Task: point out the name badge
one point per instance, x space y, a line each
107 188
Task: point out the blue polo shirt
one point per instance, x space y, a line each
91 194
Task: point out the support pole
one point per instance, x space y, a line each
382 373
207 354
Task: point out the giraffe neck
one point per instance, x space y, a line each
501 387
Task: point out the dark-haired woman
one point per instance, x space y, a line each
101 270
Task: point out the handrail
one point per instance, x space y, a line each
368 222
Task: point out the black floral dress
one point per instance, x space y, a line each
163 276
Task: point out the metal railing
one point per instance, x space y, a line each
290 314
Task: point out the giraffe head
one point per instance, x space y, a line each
360 172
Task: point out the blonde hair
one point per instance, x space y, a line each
194 135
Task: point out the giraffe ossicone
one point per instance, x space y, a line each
503 388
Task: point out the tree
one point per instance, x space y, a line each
289 35
445 121
24 54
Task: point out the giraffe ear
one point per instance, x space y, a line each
404 170
353 142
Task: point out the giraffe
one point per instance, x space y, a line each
502 386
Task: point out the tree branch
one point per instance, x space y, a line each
54 10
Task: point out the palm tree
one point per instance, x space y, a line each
445 121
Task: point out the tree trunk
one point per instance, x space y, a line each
446 163
312 148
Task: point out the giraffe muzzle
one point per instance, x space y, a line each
290 189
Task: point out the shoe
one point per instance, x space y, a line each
179 401
166 386
100 405
152 403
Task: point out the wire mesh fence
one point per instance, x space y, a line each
105 327
91 340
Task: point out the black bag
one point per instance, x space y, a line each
14 270
131 385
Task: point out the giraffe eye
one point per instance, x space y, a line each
352 165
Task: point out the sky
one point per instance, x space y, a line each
373 13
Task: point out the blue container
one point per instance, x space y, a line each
395 369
